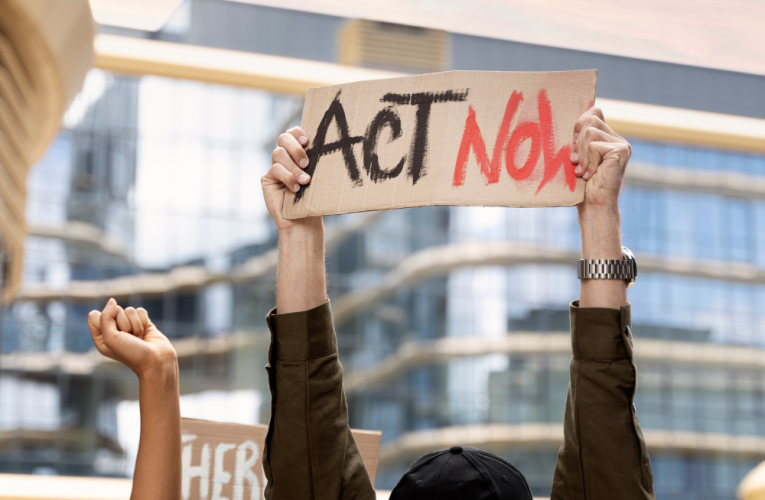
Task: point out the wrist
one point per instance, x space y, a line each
302 228
600 228
300 282
161 373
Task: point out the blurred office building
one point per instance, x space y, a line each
452 321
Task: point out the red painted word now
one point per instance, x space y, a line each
540 134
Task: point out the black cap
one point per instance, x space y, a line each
461 473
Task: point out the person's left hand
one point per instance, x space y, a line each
129 336
602 157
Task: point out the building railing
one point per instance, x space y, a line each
412 355
440 260
548 437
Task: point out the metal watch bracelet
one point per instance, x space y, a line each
609 269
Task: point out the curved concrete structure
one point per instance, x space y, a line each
438 261
414 354
46 48
289 74
497 438
180 278
427 263
696 180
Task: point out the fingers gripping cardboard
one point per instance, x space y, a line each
454 138
222 460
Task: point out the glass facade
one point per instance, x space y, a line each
152 177
147 175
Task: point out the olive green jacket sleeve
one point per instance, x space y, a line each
603 455
310 453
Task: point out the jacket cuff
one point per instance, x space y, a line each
302 335
601 334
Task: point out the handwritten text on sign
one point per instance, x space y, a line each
223 461
443 139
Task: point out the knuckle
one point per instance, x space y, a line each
592 121
586 115
284 137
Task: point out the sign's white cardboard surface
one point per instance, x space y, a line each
454 138
225 460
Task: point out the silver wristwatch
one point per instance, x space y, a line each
609 269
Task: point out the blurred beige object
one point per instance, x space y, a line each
147 15
36 487
46 48
753 485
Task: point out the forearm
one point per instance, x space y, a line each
158 465
600 228
301 283
310 452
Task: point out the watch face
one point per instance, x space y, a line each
629 256
628 253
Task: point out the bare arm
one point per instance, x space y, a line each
131 338
602 156
158 465
300 282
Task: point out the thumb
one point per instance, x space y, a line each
108 320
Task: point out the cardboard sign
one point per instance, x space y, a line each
454 138
222 460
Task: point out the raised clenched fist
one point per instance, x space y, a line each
129 336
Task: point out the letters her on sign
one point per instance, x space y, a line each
222 461
423 141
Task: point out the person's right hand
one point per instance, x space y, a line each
129 336
602 156
289 159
